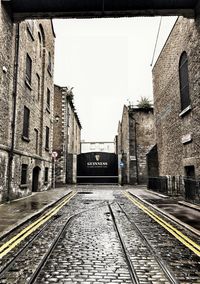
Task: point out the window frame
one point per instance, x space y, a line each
26 124
48 99
184 83
47 138
46 175
24 175
29 67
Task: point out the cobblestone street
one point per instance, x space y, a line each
100 236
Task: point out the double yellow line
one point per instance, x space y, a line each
176 233
12 243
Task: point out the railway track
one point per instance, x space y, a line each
133 272
144 263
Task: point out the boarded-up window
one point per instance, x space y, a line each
184 81
24 171
28 68
26 122
47 138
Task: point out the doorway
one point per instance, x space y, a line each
35 179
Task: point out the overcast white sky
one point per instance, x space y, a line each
107 61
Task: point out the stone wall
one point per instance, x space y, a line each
6 88
29 95
67 135
171 125
136 135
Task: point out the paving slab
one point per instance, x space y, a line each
183 211
16 212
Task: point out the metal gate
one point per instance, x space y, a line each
97 167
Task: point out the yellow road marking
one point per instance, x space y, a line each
13 242
176 233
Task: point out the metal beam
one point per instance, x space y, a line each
99 8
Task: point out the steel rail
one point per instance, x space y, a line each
54 244
163 265
50 250
186 241
131 268
9 264
16 240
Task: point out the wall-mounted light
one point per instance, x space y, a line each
57 117
5 70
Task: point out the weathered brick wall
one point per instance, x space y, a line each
29 96
136 133
25 151
145 139
125 145
173 154
67 135
6 89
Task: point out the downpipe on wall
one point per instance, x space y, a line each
14 108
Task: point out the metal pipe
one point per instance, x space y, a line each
13 124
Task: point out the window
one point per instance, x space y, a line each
28 68
40 44
49 63
24 171
46 177
36 141
47 138
48 98
184 81
26 123
38 86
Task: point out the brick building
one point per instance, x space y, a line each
136 136
176 83
26 105
67 135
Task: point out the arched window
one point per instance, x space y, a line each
184 81
40 44
49 63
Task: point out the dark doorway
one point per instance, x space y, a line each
97 167
35 179
190 171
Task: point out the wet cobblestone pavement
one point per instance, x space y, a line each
89 249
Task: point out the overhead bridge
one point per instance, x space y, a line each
22 9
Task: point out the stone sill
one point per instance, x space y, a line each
49 71
28 84
48 109
25 138
23 186
185 111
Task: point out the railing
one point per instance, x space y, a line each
188 188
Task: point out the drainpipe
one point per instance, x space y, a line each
13 124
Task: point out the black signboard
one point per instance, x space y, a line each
97 167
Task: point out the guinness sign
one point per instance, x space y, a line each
97 167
